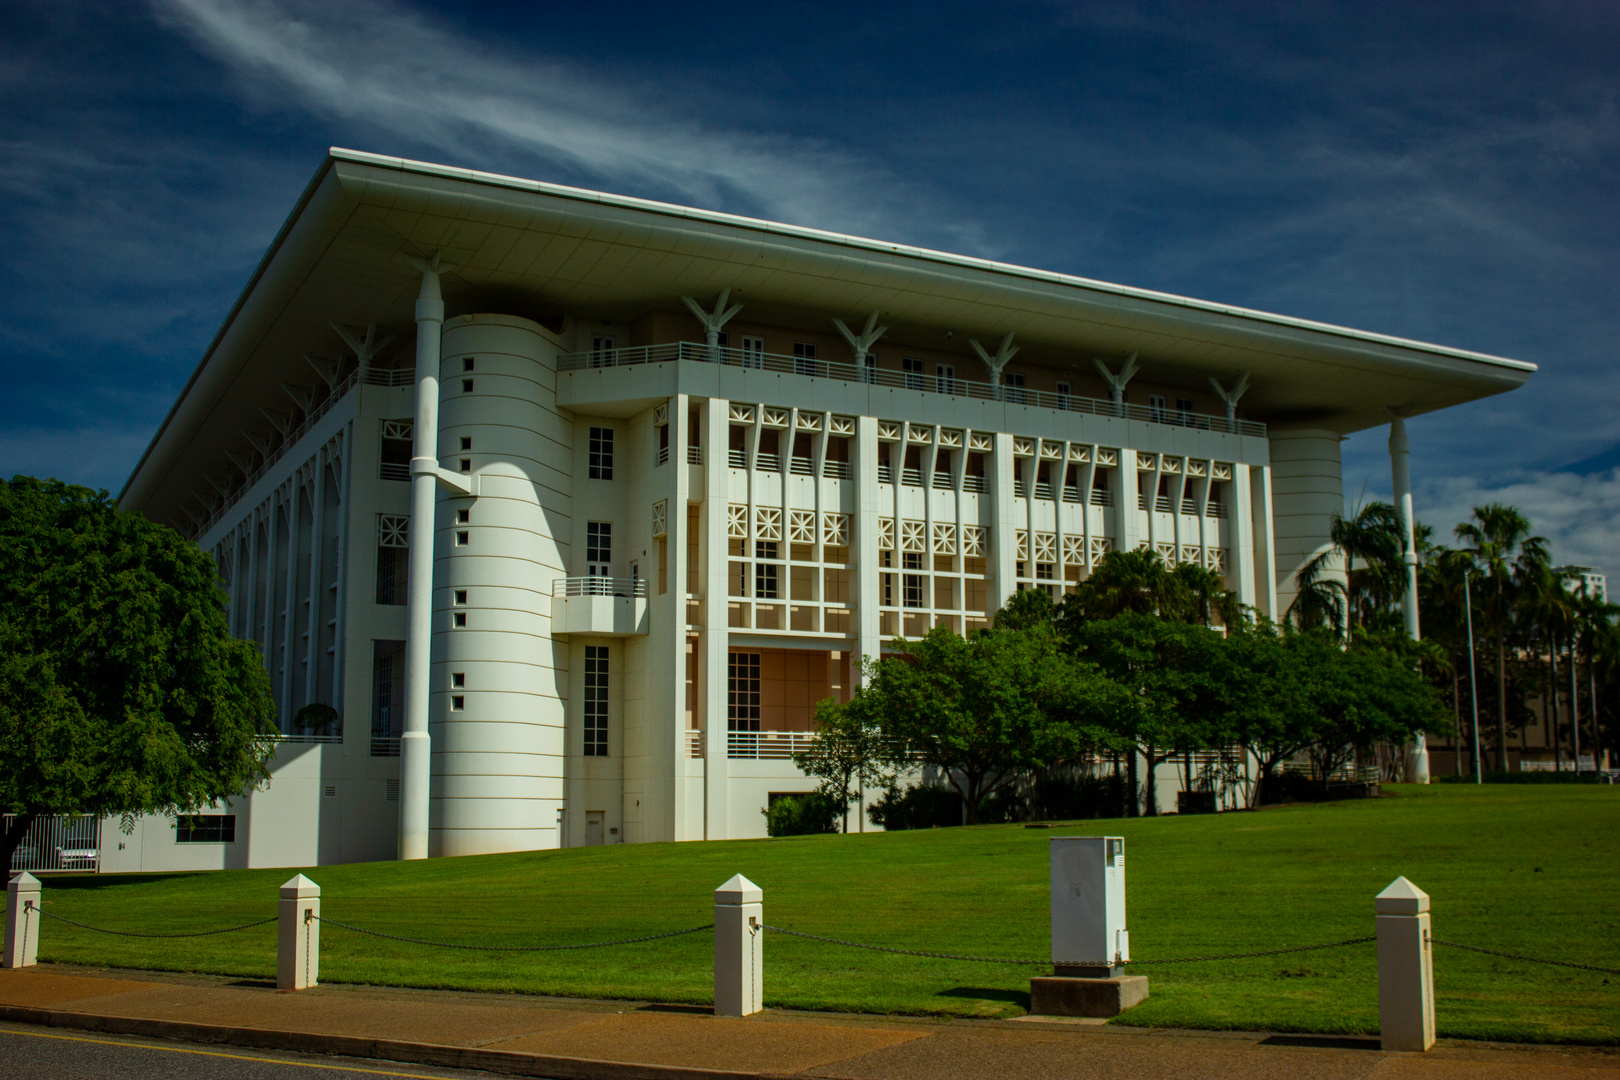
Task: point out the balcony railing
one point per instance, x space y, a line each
827 369
599 586
768 745
694 455
388 376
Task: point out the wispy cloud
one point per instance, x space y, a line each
379 66
1579 515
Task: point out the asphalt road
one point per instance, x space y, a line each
67 1055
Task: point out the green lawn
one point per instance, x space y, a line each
1522 869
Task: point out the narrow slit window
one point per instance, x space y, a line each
596 701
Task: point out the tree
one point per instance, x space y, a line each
849 751
985 710
1502 548
122 691
1363 695
1373 534
1271 713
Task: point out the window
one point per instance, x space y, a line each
463 537
461 596
913 377
1156 407
1184 409
601 453
596 701
466 443
205 829
459 620
396 450
911 584
463 517
598 548
1014 383
457 702
601 352
765 574
663 444
871 372
466 465
1063 391
753 352
466 363
392 558
804 359
387 689
742 692
945 378
458 679
466 386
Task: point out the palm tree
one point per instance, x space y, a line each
1547 610
1441 575
1501 547
1372 534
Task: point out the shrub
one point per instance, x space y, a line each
1522 778
1067 798
925 806
802 815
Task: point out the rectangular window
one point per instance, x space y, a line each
396 450
1013 381
742 692
753 352
913 378
1184 410
602 352
466 386
765 574
945 378
387 689
663 444
804 359
392 558
596 701
871 372
601 453
1064 390
911 584
598 548
1156 407
205 829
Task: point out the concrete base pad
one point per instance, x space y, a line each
1055 996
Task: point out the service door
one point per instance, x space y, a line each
594 820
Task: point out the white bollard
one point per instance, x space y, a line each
1405 968
298 935
22 921
739 948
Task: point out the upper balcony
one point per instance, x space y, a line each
873 376
599 606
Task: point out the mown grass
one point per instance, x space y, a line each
1521 869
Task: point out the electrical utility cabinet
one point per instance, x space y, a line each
1088 906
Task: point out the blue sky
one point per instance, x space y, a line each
1443 172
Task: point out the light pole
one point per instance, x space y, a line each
1473 693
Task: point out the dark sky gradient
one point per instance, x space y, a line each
1443 172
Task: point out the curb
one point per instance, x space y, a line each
432 1054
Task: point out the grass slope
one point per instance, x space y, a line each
1528 869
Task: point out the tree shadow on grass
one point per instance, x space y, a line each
985 993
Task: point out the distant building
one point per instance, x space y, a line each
574 549
1587 580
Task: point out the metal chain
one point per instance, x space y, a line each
512 948
1527 959
1249 955
131 933
906 952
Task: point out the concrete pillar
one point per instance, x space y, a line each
22 921
739 948
298 935
1400 468
1405 968
415 768
1307 490
714 643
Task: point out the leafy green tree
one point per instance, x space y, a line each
122 691
850 751
1363 695
1503 549
985 710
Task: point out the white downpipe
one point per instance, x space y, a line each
1400 468
415 750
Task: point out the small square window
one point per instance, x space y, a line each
461 596
463 538
463 517
466 443
466 464
466 386
467 363
458 679
457 702
459 620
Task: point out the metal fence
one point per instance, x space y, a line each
57 844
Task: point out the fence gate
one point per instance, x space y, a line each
57 843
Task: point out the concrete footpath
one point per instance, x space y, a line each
570 1039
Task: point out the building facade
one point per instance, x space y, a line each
572 506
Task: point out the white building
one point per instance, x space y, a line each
575 548
1586 581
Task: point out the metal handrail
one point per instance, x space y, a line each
599 586
829 369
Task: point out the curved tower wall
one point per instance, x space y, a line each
498 761
1307 490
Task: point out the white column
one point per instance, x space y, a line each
1307 490
298 935
1400 468
22 921
714 643
414 748
1405 968
739 948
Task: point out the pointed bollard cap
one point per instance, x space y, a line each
739 890
24 882
299 888
1402 898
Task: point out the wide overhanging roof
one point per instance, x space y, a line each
541 250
